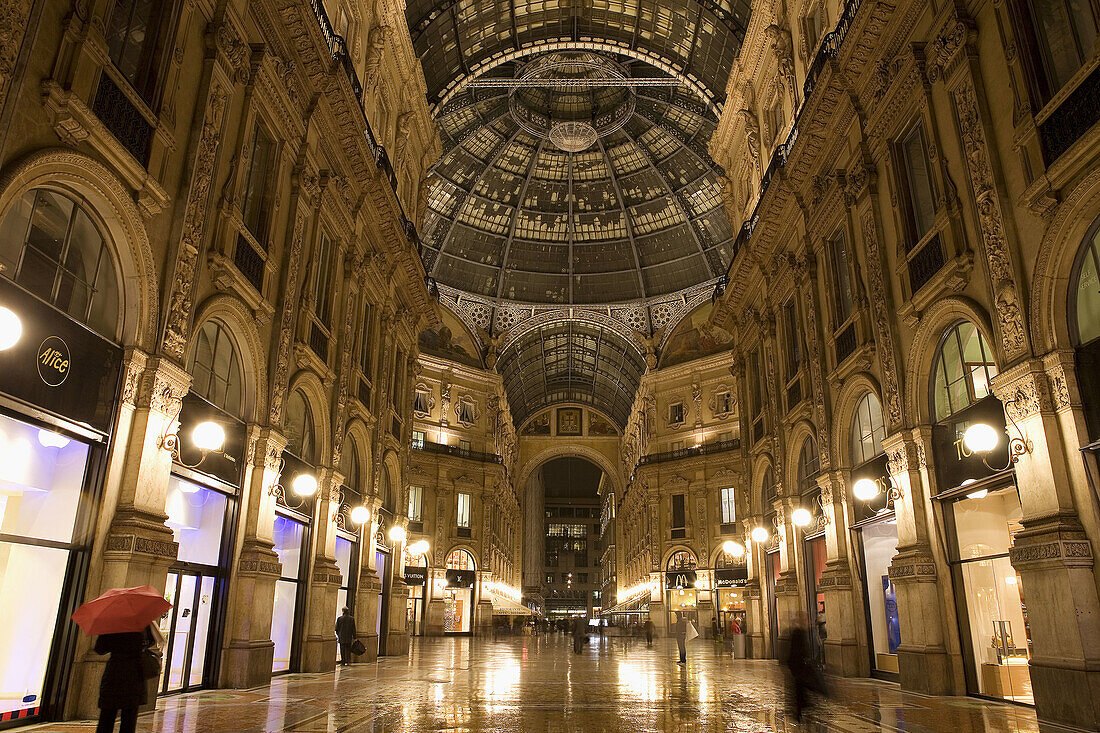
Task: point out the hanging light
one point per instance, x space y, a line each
304 485
11 328
397 534
760 534
733 549
208 436
360 515
801 517
865 489
980 438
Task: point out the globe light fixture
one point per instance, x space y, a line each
980 438
304 485
208 436
865 489
397 534
11 328
733 549
50 439
801 517
979 494
360 515
760 534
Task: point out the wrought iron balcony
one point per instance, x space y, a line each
1072 119
720 446
453 450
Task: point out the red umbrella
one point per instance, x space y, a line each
120 610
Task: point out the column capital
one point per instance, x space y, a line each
1025 390
913 564
905 451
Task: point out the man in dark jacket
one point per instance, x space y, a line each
345 635
805 677
679 628
648 632
122 687
580 633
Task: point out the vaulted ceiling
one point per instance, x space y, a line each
575 176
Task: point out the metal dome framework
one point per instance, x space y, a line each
638 215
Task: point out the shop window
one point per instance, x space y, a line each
963 371
462 514
416 498
868 430
728 502
259 186
344 553
50 245
809 464
196 516
137 36
460 560
215 369
288 537
1063 35
300 428
681 560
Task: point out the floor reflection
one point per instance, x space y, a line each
538 685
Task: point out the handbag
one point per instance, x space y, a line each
692 632
357 648
150 663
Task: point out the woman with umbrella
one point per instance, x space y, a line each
122 620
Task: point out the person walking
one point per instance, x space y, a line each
805 676
679 628
580 633
122 689
649 632
345 635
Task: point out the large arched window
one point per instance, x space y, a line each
868 430
1084 310
301 438
768 489
460 560
50 245
349 465
682 560
215 369
963 371
386 491
808 465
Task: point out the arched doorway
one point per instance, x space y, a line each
458 595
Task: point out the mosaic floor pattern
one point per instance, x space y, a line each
537 685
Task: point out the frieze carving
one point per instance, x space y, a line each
1061 550
881 318
377 39
991 220
177 328
817 379
236 52
134 543
943 49
1026 396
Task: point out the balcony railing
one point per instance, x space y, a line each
122 117
1072 119
719 446
338 50
829 49
453 450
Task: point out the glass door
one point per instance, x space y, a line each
186 630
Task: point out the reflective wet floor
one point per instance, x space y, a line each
536 684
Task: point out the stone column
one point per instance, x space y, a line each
397 633
433 615
248 652
788 594
1053 555
319 647
369 588
843 612
133 545
756 619
929 660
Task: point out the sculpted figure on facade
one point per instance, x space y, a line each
376 41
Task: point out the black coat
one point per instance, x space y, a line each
345 629
123 684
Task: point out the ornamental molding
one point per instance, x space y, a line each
881 317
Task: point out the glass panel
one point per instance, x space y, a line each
1055 22
842 293
343 561
31 579
282 622
167 621
175 666
1088 294
41 482
984 525
288 537
415 501
880 544
921 200
998 629
456 610
13 232
299 426
255 195
196 515
202 631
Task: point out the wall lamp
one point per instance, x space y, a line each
980 439
303 487
801 517
760 535
208 437
397 534
733 549
418 548
868 490
358 515
11 328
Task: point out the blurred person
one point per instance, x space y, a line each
805 673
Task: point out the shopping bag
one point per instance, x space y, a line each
357 648
691 632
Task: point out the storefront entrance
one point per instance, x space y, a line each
186 630
458 595
879 544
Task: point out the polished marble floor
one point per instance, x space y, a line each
537 685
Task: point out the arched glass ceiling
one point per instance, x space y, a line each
637 215
696 39
571 361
